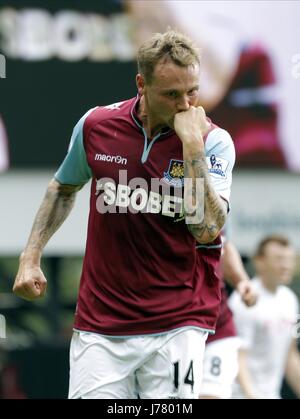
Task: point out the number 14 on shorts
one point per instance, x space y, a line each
188 376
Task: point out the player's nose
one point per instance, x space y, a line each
183 103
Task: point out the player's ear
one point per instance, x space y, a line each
140 83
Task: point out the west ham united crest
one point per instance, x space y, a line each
175 174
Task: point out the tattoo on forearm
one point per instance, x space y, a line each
55 208
214 207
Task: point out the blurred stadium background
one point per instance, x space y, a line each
65 57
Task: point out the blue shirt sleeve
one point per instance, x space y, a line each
75 169
220 158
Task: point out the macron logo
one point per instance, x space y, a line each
111 159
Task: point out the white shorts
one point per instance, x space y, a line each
150 367
220 368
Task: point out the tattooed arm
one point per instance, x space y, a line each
206 229
191 126
30 282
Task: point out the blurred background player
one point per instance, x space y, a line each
4 159
267 330
221 350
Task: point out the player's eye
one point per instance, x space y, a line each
172 94
193 92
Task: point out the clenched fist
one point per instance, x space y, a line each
191 125
247 293
30 283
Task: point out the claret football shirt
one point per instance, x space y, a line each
142 272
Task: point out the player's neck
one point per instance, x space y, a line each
150 123
269 285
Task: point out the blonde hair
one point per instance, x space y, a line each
170 45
